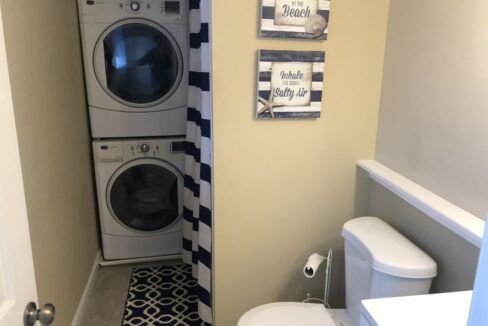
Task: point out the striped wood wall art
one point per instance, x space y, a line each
292 19
290 84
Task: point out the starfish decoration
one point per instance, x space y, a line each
268 105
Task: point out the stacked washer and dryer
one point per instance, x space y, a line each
136 69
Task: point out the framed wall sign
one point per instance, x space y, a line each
290 84
306 19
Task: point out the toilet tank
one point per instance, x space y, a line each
381 262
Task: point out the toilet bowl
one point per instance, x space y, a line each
287 314
295 314
380 262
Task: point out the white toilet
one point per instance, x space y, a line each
380 262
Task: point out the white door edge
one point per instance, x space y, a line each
16 267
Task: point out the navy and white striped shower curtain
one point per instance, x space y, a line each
197 229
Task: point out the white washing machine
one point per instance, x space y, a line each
140 196
136 66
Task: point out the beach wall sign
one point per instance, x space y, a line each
307 19
290 84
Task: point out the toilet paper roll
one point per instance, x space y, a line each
313 264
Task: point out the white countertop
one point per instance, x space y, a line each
446 309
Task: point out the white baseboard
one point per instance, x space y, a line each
86 293
105 263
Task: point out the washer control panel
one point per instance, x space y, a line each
162 11
166 8
172 149
146 148
109 151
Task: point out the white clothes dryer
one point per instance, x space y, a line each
140 196
136 66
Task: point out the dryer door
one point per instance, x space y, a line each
138 63
146 195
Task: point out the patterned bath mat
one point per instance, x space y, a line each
163 295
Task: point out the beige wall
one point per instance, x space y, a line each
434 123
47 83
434 107
283 189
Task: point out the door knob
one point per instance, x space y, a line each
45 316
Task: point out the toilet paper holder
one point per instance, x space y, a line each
313 263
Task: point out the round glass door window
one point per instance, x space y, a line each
142 62
145 197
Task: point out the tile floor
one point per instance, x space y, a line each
106 304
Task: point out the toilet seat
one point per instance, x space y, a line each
287 314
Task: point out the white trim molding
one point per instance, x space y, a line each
80 311
456 219
478 313
106 263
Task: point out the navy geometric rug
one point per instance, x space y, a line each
162 295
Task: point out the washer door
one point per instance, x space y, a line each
138 63
146 195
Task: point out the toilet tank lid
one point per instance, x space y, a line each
391 252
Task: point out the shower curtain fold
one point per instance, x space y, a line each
197 214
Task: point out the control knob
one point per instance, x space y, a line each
135 6
145 148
